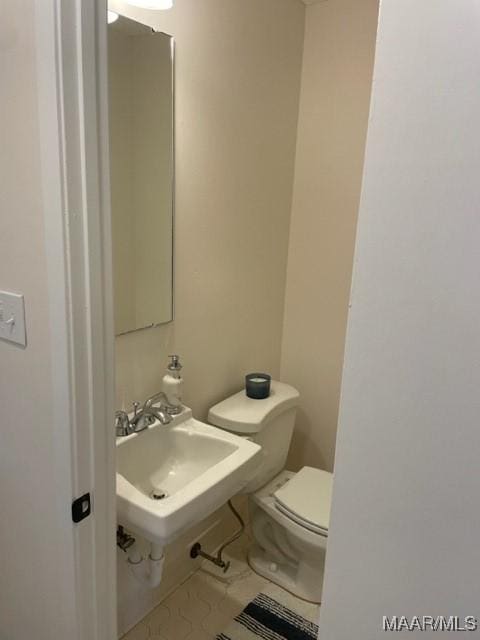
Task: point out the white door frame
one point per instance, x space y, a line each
71 47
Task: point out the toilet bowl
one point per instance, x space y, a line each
289 518
289 511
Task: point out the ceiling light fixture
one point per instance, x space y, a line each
111 16
152 4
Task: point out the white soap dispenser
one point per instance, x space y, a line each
172 385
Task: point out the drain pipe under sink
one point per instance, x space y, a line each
147 570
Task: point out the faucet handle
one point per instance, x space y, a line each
135 408
122 424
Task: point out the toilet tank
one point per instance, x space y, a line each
268 422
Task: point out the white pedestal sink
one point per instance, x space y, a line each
169 477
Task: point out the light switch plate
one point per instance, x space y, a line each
12 318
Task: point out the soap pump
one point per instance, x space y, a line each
172 385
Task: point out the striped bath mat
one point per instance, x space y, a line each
267 619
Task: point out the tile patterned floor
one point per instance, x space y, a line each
204 605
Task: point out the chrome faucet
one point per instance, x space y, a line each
148 414
157 397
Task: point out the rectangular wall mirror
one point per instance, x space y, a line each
142 173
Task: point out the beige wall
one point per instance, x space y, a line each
336 83
34 524
238 66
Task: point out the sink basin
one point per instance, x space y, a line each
169 477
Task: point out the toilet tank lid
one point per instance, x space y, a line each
242 414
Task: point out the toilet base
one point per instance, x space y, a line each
285 575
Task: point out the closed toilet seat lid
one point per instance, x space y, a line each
306 499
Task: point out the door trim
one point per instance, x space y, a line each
71 46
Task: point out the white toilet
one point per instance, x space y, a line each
289 511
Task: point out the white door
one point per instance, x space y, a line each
57 578
405 527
